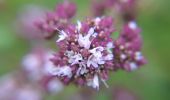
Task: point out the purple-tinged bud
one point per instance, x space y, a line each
66 10
127 8
128 48
122 93
131 36
14 86
25 24
58 20
98 8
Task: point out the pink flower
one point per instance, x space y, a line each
57 20
86 54
128 48
36 65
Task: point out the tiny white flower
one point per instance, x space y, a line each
31 62
109 57
32 65
69 53
97 20
82 69
110 45
98 49
97 52
84 41
27 93
132 25
95 34
92 61
54 86
62 36
90 32
94 82
96 57
123 56
75 59
60 71
138 56
133 66
79 25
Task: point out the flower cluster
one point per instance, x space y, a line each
85 52
126 8
100 8
127 49
15 87
59 19
34 67
26 19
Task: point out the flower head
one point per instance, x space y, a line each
127 8
128 48
100 7
84 55
57 20
26 20
66 10
36 65
15 86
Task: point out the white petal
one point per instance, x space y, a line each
123 56
91 31
95 65
138 56
62 36
133 66
89 61
84 41
132 25
96 82
101 61
75 59
26 93
54 86
97 49
82 69
96 57
81 40
110 45
109 57
69 53
92 61
31 62
79 25
97 20
87 44
60 71
95 34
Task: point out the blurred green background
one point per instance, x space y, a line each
151 82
